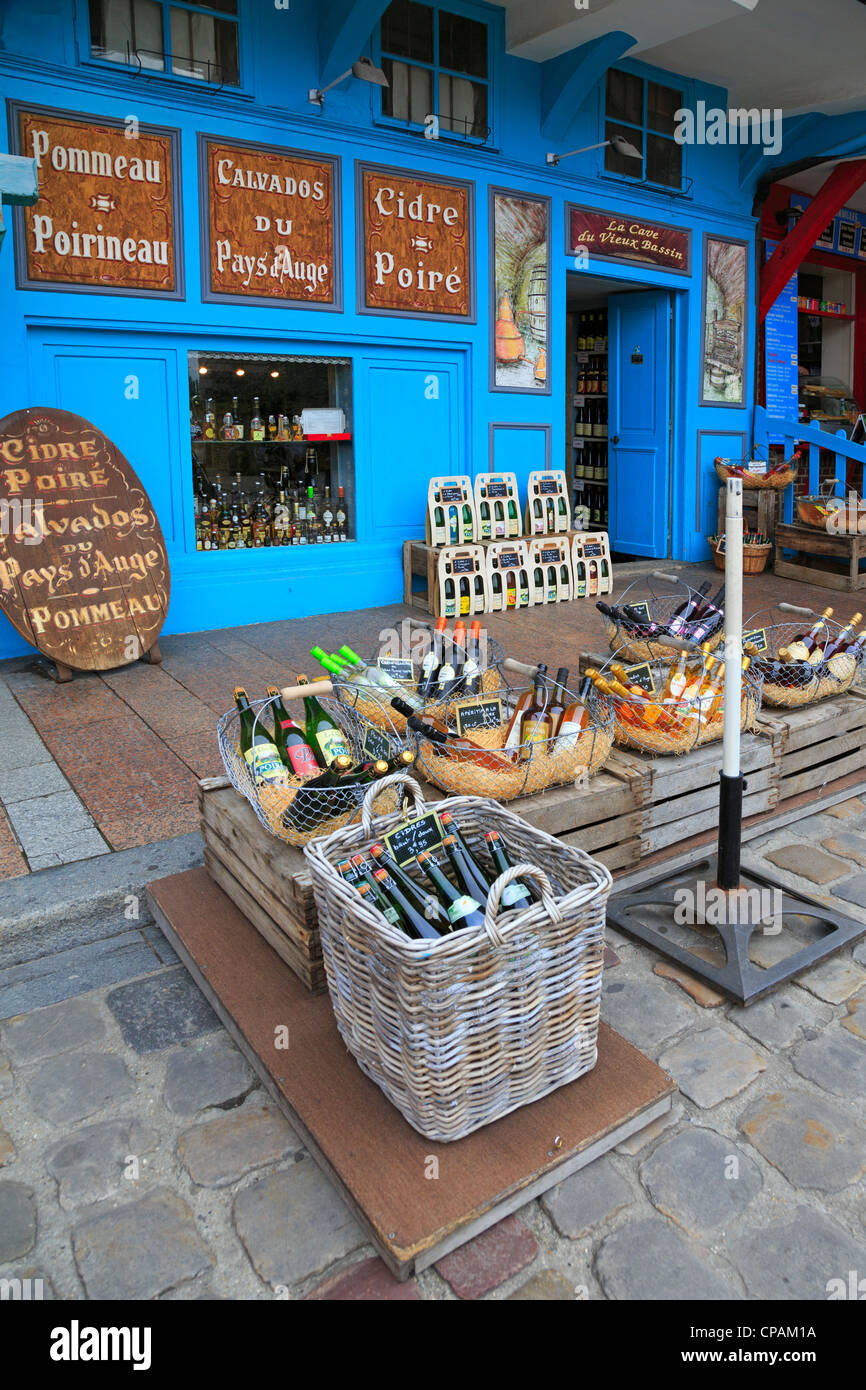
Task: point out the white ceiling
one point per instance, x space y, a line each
800 55
809 181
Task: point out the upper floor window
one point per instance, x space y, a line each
437 64
186 40
643 113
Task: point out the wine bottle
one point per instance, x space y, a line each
291 741
677 680
575 720
481 884
312 804
427 905
558 700
417 923
324 734
461 908
377 676
709 619
842 639
802 646
680 617
535 726
653 711
471 667
451 670
372 893
853 649
518 893
524 700
461 748
466 875
257 746
432 662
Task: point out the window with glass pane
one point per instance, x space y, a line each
437 64
198 41
271 442
644 114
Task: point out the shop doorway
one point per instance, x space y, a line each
620 410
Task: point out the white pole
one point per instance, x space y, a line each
733 625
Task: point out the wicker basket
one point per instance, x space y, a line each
461 1031
808 682
757 481
378 710
755 557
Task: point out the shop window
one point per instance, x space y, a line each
437 64
197 41
271 443
644 114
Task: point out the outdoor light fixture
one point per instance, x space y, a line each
621 146
785 216
363 68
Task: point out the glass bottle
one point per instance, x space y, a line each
236 417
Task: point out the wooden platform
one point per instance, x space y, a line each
809 541
375 1159
816 745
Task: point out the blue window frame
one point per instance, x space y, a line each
197 41
643 113
438 63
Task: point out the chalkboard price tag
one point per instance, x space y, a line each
757 636
592 550
509 562
721 544
406 842
377 745
551 556
463 564
548 486
401 670
640 612
452 494
642 675
478 714
497 489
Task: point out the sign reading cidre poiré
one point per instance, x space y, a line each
415 255
83 571
107 214
270 223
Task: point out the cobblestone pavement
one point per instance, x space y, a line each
139 1158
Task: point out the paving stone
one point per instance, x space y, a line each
587 1198
165 1009
649 1259
22 746
370 1280
860 953
25 783
810 1139
646 1017
546 1287
60 1028
642 1137
796 1258
33 1284
225 1150
293 1225
834 980
853 890
93 1163
711 1066
487 1261
847 846
767 949
846 810
808 862
17 1220
7 1148
58 975
205 1074
701 1180
7 1080
155 939
856 1020
784 1017
836 1062
69 1088
46 821
696 989
140 1250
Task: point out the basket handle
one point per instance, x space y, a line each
297 692
521 667
668 578
396 779
497 934
792 608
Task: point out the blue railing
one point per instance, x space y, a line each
794 434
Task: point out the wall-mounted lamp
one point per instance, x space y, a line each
616 141
363 68
785 217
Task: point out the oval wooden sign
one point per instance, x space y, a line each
84 573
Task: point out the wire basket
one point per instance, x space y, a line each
661 726
289 809
633 643
789 684
524 771
834 514
738 468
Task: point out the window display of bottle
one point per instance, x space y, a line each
257 423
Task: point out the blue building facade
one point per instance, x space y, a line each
419 387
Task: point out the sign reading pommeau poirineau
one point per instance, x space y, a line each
269 223
107 214
415 247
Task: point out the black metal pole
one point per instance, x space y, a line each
730 830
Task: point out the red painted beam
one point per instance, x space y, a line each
845 179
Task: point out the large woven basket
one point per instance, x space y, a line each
461 1031
757 481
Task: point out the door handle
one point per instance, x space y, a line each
614 439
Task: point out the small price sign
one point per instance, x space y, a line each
642 675
377 745
406 842
478 714
452 494
548 486
509 561
551 555
401 670
592 549
640 612
497 489
758 638
463 564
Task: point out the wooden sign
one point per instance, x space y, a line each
268 224
107 218
615 236
415 248
83 571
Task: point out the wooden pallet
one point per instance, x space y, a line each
603 817
266 878
816 744
810 541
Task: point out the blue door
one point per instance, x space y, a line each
639 414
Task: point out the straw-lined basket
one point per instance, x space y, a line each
803 682
755 557
461 1031
757 481
660 728
632 642
376 708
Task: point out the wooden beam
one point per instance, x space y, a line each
565 80
345 28
845 179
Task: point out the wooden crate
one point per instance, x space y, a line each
603 817
816 744
760 510
421 560
264 877
810 541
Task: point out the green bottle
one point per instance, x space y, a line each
291 741
324 734
376 675
257 745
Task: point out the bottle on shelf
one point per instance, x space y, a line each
290 740
257 423
341 514
210 425
256 744
236 419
